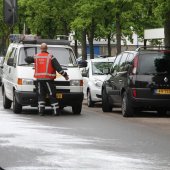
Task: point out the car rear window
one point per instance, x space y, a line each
154 62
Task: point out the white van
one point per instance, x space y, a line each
19 85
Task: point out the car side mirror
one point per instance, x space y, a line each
82 63
10 62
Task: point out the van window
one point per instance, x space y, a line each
9 53
64 56
154 62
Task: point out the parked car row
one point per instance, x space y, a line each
135 81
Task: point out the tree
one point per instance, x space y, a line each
162 12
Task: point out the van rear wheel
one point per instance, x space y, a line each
17 108
76 109
6 102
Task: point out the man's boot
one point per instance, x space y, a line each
41 108
56 111
41 111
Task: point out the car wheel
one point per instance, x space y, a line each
106 107
17 108
90 103
6 102
76 109
127 109
162 112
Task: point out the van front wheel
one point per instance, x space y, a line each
76 109
17 108
6 102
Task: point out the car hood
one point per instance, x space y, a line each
100 77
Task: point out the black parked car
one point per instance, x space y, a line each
140 80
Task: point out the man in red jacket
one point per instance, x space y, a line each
46 66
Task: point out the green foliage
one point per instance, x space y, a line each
98 17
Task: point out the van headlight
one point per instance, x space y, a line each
25 81
76 82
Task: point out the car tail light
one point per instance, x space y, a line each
135 65
134 92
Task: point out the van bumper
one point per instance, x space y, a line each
30 98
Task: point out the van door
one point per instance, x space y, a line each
11 74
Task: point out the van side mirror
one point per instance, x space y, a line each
84 74
10 61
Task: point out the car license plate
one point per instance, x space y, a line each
59 95
162 91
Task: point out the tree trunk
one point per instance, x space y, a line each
90 39
167 29
118 33
76 45
75 49
84 45
108 44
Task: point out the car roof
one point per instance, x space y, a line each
130 52
107 59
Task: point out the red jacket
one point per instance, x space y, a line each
43 67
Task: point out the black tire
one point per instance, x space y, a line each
76 109
17 108
90 103
6 102
106 106
127 109
162 111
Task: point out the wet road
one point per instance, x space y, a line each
93 140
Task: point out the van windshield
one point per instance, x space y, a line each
154 63
64 56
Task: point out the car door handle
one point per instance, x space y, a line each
120 81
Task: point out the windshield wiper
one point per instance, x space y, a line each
98 73
25 64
